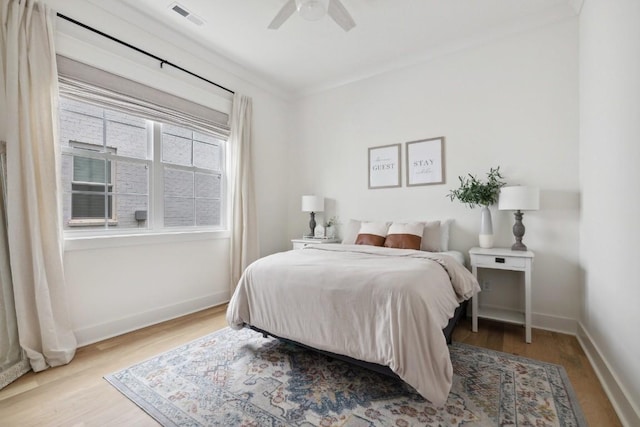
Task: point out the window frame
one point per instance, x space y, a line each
155 166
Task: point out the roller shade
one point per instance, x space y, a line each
89 84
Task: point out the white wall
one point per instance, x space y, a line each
610 179
118 288
116 285
513 103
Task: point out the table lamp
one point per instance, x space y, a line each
312 204
519 198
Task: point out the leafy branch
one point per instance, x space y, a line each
474 192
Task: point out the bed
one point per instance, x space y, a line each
383 306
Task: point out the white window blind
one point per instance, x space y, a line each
89 84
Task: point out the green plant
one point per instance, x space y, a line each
332 221
474 192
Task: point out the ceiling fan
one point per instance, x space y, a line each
313 10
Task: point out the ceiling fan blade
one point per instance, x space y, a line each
339 13
284 14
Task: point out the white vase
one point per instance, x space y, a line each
486 228
330 232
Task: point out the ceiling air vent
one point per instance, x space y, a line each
182 11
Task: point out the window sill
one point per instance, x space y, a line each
79 242
90 222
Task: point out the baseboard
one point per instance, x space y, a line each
547 322
102 331
628 413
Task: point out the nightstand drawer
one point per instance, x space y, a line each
497 261
300 245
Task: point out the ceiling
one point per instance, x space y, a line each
304 57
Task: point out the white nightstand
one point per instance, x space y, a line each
503 259
301 243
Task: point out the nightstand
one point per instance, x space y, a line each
503 259
301 243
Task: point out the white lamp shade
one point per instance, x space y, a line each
312 10
312 204
519 198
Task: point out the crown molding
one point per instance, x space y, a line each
533 23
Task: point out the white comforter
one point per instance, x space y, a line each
380 305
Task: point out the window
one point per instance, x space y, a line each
135 158
192 177
123 172
91 188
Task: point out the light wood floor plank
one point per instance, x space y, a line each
77 395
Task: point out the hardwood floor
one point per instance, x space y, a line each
552 347
77 395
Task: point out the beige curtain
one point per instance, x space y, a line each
244 230
28 94
13 362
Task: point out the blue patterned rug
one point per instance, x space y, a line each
239 378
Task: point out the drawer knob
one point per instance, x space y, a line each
499 260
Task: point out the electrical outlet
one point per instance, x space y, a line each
485 285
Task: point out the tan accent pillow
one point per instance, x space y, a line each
431 237
404 236
372 233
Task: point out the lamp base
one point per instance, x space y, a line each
312 224
518 232
518 246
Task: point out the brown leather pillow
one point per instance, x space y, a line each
372 233
404 236
369 239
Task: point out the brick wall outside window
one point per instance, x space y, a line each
192 188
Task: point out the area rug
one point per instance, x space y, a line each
239 378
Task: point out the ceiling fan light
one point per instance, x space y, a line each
312 10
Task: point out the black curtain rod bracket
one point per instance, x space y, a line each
144 52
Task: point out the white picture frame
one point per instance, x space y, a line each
425 162
385 167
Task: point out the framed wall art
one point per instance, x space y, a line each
425 162
384 166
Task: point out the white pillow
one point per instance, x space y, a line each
431 237
372 233
351 232
445 227
414 228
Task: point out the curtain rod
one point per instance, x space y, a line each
144 52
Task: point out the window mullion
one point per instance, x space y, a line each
157 171
106 164
193 182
